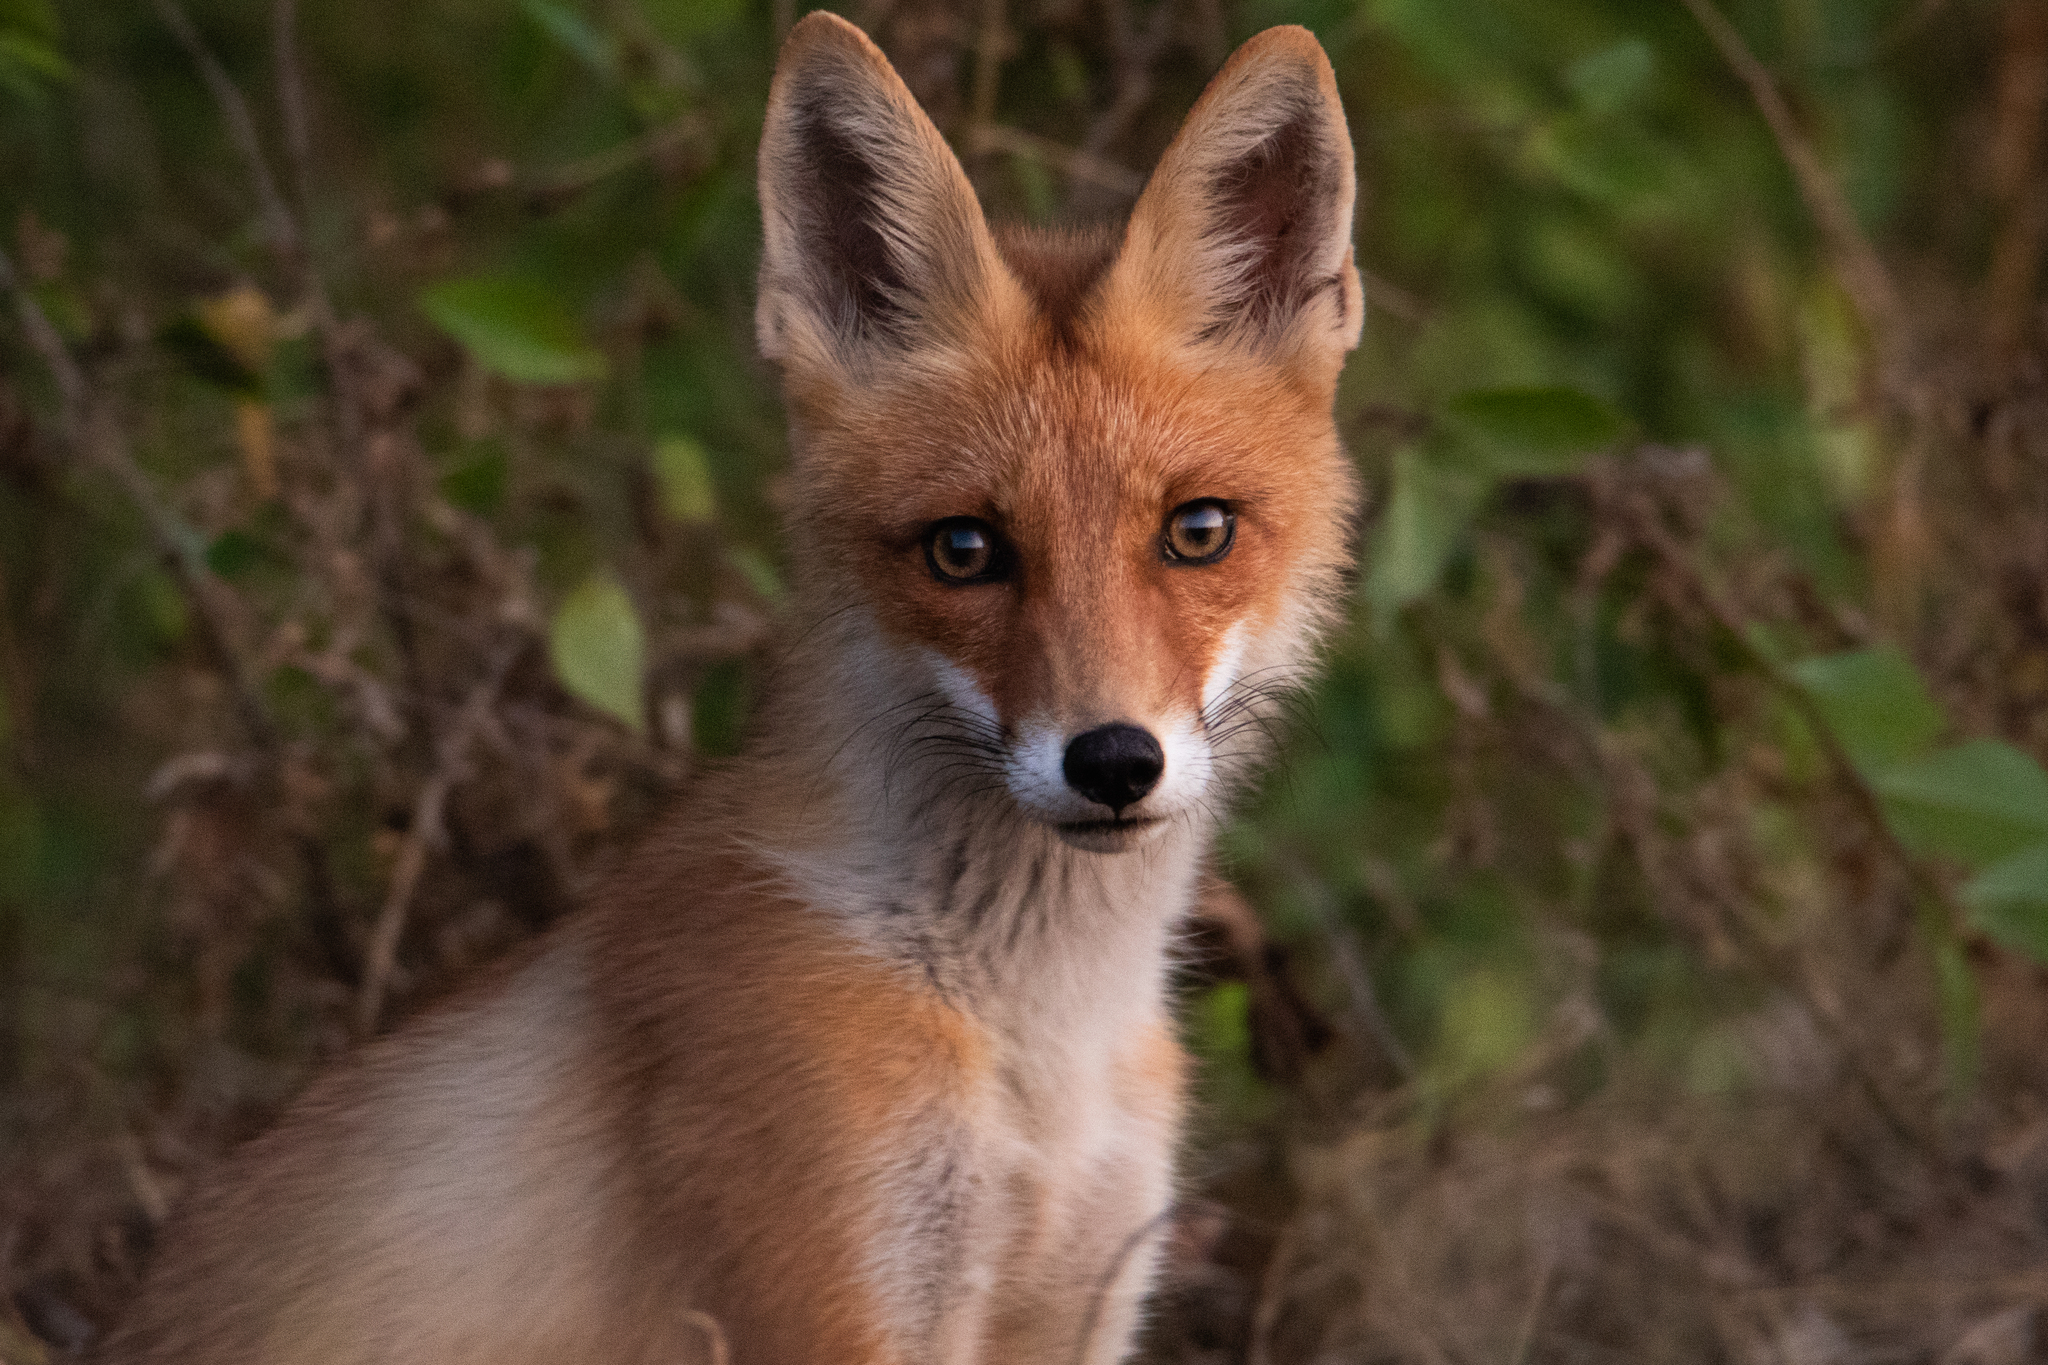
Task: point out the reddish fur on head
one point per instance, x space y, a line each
1068 390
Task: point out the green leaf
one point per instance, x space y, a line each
200 352
23 841
515 327
478 484
2009 901
1874 702
683 473
598 648
1041 193
719 707
1489 1018
163 607
681 20
1428 508
1219 1026
1533 433
68 310
579 37
38 18
234 553
759 572
1977 803
26 54
1608 79
1219 1033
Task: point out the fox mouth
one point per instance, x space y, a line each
1106 826
1107 836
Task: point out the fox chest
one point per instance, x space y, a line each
1033 1230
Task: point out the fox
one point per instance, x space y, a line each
866 1054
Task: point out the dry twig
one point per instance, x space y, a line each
277 216
1862 273
2014 153
451 761
1273 1293
1069 161
291 98
1108 1278
989 42
1135 54
660 141
94 437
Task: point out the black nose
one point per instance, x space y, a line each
1113 764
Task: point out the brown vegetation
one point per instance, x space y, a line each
1612 1010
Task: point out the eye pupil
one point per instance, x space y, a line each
961 551
1200 532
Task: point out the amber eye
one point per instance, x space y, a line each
962 550
1200 532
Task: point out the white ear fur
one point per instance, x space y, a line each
873 237
1243 234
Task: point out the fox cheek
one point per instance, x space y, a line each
962 690
1224 670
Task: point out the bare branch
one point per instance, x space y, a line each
1391 299
1862 273
1069 161
1272 1296
95 438
451 762
1108 1278
660 141
989 42
277 215
291 99
2012 156
1135 54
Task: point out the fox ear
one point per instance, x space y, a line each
874 241
1243 234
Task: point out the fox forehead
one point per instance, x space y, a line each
1066 447
1077 460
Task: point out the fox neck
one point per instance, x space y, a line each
1007 921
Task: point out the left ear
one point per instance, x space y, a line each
1242 237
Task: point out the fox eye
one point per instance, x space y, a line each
962 550
1200 532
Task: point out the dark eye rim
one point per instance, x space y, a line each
1173 556
998 561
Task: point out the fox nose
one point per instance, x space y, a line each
1113 764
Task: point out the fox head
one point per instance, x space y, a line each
1075 502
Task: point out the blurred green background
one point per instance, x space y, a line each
1650 901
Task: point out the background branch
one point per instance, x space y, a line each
95 438
277 215
1862 273
451 762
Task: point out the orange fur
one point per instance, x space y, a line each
865 1056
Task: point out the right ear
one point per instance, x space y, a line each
1242 238
874 241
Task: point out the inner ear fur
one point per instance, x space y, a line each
874 241
1243 234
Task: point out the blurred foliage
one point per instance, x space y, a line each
1661 868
